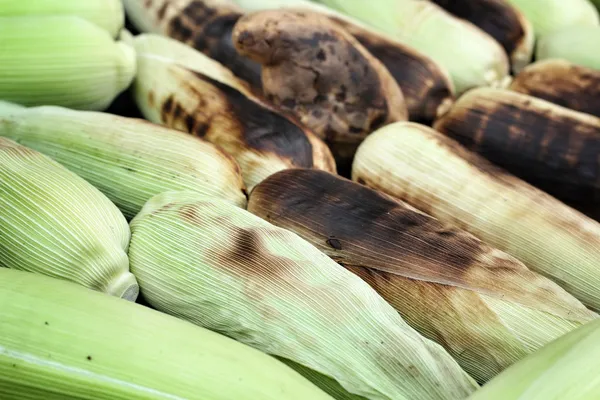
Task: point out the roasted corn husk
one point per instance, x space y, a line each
549 146
59 341
183 89
62 60
223 268
484 306
578 44
129 160
563 83
437 175
55 223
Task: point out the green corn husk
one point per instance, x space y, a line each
471 56
55 223
577 44
62 60
107 14
129 160
62 342
485 307
181 88
437 175
223 268
550 15
564 369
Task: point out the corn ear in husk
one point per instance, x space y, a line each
437 175
577 44
62 60
59 341
223 268
129 160
55 223
484 306
183 89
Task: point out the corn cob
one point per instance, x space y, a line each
59 341
577 44
237 274
500 20
547 16
437 175
106 14
63 60
564 369
471 56
547 145
181 88
562 83
319 72
129 160
55 223
485 307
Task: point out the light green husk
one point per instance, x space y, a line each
107 14
223 268
577 44
566 369
129 160
62 60
62 342
55 223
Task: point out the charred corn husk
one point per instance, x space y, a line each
547 16
564 369
500 20
563 83
61 341
129 160
264 286
55 223
62 60
317 71
485 307
549 146
183 89
440 177
107 14
472 57
577 44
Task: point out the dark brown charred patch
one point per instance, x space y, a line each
189 213
162 10
151 99
167 108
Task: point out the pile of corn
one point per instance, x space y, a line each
296 199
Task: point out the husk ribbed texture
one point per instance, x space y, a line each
55 223
129 160
225 269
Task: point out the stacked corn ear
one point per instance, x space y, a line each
502 21
577 44
55 223
547 16
62 60
223 268
472 57
549 146
427 88
61 341
564 369
561 82
107 14
129 160
485 307
597 4
437 175
183 89
316 70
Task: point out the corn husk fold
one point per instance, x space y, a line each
129 160
59 341
54 223
223 268
435 174
578 44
